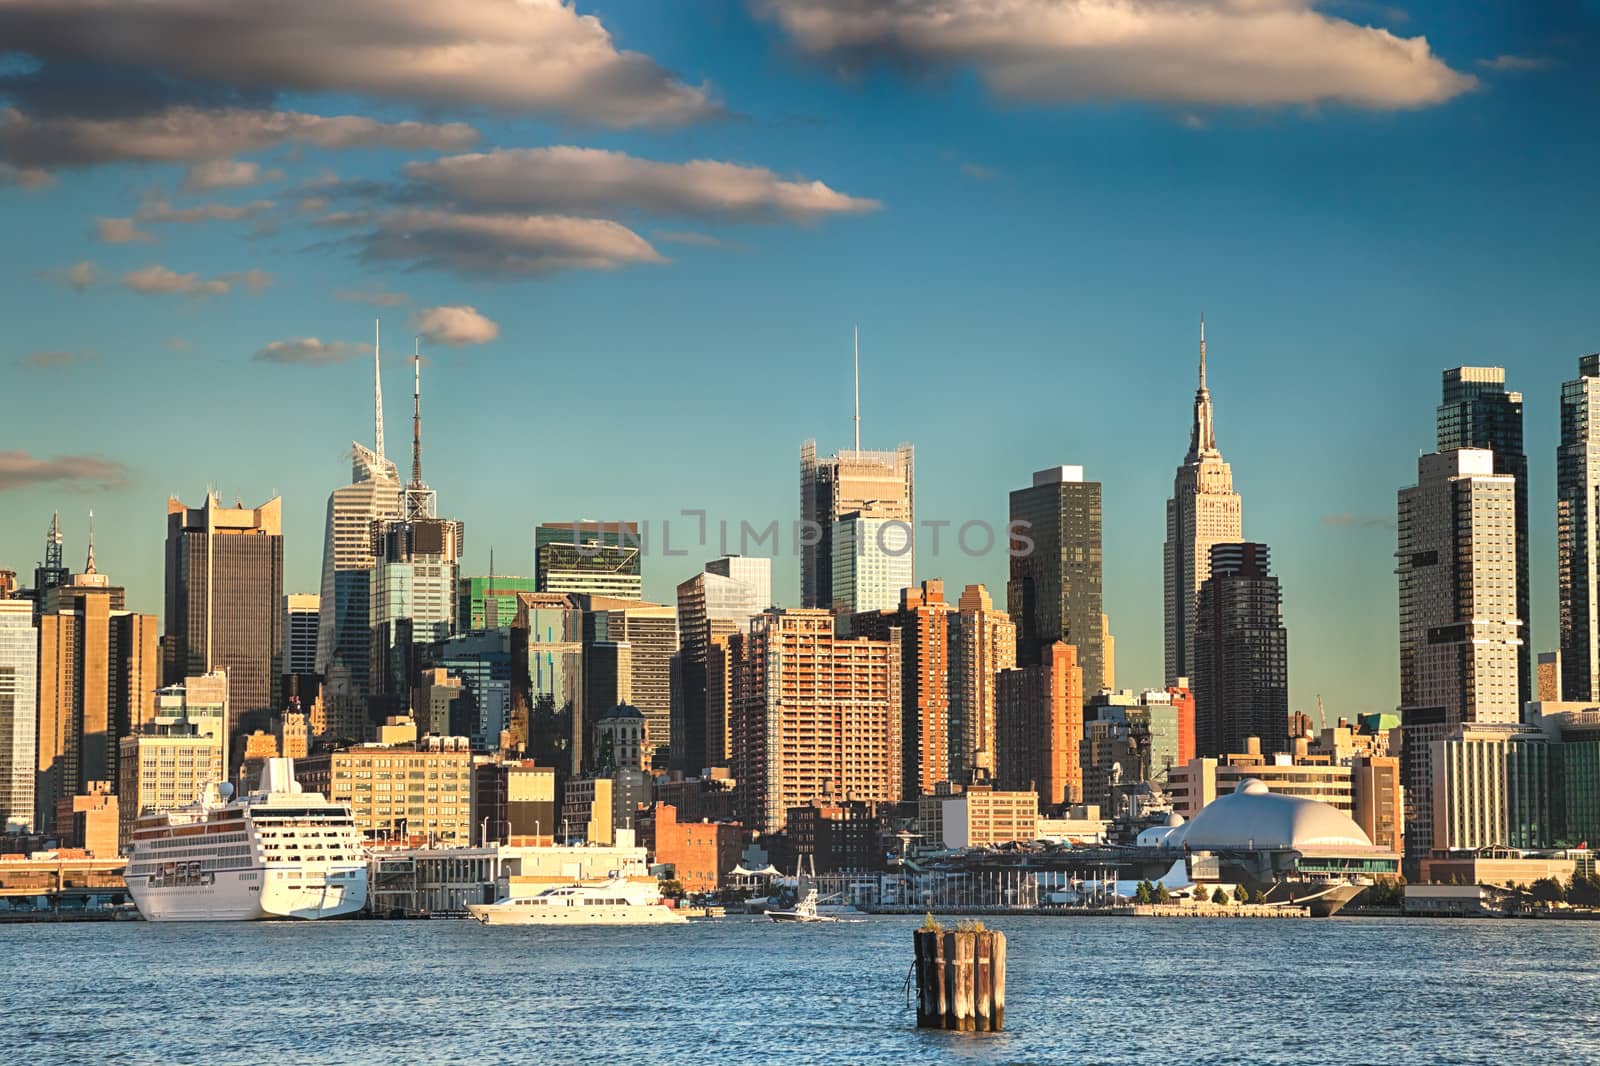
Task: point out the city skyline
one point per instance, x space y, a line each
1048 320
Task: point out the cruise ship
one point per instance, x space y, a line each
279 852
615 901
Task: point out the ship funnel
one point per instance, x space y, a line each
277 775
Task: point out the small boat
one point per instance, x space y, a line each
617 901
805 910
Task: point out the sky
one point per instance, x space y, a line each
633 240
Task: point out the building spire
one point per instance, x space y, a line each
1202 351
52 544
377 394
416 414
1203 437
88 566
858 388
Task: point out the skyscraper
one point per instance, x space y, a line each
489 602
1055 590
814 716
923 621
1478 412
224 599
53 571
983 642
712 605
1577 532
344 627
873 561
19 664
1459 629
1204 510
591 558
1241 655
302 616
1039 728
651 632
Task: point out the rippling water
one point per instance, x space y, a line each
744 990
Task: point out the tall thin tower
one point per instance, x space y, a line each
377 393
421 501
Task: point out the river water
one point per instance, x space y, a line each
743 990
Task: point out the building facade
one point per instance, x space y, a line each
1039 728
489 602
712 606
873 560
983 642
1204 510
1241 653
19 664
591 558
877 485
404 790
922 620
349 553
1055 590
302 623
1492 787
412 602
1577 535
166 765
650 630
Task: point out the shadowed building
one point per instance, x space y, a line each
1039 728
1578 535
1055 590
1241 660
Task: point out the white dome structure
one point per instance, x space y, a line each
1254 818
1156 835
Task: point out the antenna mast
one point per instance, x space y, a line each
377 394
858 388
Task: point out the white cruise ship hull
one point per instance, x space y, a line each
254 895
499 914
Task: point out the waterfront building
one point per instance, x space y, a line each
980 817
1377 799
1054 594
814 715
97 676
401 788
873 560
650 630
712 606
302 623
1491 788
877 486
167 764
489 602
1573 729
589 558
1577 535
1039 728
699 854
1459 630
983 642
599 808
19 664
839 835
1203 779
1476 411
514 802
1240 653
1204 510
224 599
922 620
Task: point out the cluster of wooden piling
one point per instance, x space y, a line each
961 980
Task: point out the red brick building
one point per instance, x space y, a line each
700 853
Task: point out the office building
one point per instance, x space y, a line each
481 659
1134 740
1459 628
589 558
815 716
1199 782
1573 730
1476 411
98 674
19 664
1241 653
1039 728
1204 510
839 835
401 788
547 679
923 623
1378 799
604 808
650 630
1577 538
302 621
1492 787
877 486
712 606
607 681
224 599
489 602
1054 594
980 817
873 559
171 759
983 642
514 802
412 603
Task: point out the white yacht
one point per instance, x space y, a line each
280 852
615 901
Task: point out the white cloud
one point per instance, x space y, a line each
498 245
186 134
78 277
570 179
310 350
121 231
1196 52
513 55
227 174
157 280
455 326
19 470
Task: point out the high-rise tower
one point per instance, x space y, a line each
1241 655
1577 535
1055 590
1204 510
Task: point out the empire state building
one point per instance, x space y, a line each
1204 510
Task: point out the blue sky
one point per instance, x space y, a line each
1026 233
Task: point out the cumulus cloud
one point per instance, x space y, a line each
121 231
497 245
158 280
513 55
310 350
19 470
455 326
1515 63
184 134
77 277
570 179
375 294
226 174
1195 52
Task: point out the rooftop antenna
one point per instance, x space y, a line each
1202 349
88 566
52 544
858 388
420 500
377 393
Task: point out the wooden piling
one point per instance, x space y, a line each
960 976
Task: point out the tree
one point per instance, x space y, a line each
1219 897
672 888
1258 897
1162 895
1142 894
1584 891
1239 894
1548 890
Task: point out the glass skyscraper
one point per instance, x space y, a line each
1577 553
1055 590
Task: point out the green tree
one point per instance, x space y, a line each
672 888
1142 893
1219 897
1548 890
1162 895
1583 891
1258 897
1239 894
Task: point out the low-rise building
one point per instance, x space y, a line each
401 789
1200 782
514 802
981 817
165 766
842 835
701 854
